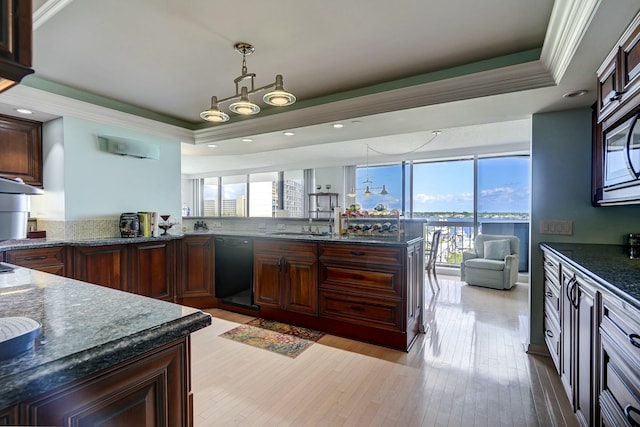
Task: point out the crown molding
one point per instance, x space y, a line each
58 105
530 75
47 11
569 21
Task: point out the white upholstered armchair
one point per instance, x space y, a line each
494 264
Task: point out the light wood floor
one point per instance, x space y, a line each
469 369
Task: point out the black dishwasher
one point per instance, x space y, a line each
234 271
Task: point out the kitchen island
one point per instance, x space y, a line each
101 355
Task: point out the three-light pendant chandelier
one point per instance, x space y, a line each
277 97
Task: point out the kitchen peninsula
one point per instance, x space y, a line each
102 355
366 287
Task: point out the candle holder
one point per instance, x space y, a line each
166 225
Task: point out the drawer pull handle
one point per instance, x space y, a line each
549 294
627 412
616 97
357 308
35 258
358 253
549 263
357 277
634 339
284 248
549 333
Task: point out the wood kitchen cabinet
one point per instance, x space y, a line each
619 391
375 287
15 42
619 77
150 390
571 320
21 148
196 287
286 275
153 269
102 265
50 259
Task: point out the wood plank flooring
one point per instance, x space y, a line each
469 369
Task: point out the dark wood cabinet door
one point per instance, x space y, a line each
267 273
9 416
15 41
21 148
149 391
152 269
567 323
102 265
301 285
198 274
586 354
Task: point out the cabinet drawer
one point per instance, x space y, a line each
552 339
623 330
36 257
382 282
367 311
284 246
371 255
620 392
552 298
552 269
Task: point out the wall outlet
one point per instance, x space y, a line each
556 227
281 227
217 225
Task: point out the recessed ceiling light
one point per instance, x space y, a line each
289 133
212 146
247 140
575 93
24 111
338 125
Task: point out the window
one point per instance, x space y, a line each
263 194
503 188
234 195
374 178
293 193
443 190
210 196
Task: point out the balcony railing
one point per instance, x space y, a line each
458 236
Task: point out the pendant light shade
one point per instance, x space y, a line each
279 97
214 114
244 106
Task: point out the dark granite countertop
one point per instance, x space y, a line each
608 265
85 328
352 238
391 240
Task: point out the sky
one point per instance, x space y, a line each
503 185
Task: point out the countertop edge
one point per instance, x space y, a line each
49 376
610 287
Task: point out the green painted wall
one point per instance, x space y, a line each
561 190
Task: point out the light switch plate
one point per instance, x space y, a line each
556 227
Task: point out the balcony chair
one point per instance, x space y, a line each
430 264
494 264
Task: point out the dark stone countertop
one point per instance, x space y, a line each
608 265
85 328
391 240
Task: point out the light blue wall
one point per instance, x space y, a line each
561 190
97 184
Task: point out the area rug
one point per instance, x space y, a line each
277 337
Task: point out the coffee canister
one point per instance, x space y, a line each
129 224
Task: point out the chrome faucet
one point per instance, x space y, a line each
200 225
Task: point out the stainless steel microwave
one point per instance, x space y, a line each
622 159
